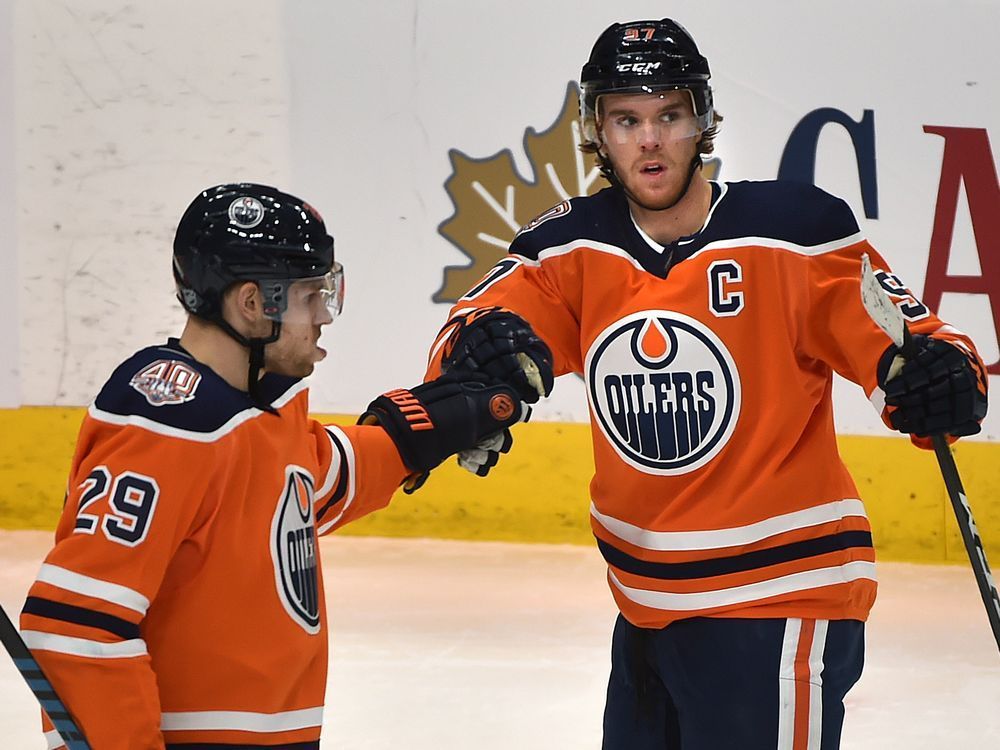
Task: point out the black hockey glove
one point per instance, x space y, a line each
502 346
940 390
434 420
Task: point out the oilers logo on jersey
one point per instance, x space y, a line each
293 549
665 391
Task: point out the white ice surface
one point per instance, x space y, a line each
498 646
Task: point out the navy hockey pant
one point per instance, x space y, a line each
731 684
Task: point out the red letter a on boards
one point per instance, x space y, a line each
969 159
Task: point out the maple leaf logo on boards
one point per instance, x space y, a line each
492 201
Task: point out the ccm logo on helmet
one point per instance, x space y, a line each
665 391
642 68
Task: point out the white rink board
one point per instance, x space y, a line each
126 110
10 380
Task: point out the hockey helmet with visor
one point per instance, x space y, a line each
646 57
249 232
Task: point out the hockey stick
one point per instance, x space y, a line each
889 318
40 686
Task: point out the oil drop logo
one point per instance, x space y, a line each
665 391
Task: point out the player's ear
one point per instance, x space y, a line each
244 303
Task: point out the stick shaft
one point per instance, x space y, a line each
970 533
40 686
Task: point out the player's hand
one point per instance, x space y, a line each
502 346
939 391
439 418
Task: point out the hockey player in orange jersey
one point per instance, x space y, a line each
707 320
182 604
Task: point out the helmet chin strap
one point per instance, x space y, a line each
256 346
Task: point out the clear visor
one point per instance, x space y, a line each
313 301
673 122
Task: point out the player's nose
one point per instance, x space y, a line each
323 316
649 135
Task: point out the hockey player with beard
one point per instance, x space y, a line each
182 604
707 320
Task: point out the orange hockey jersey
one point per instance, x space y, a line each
183 601
709 368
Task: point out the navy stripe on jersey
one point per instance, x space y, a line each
737 563
340 491
81 616
217 746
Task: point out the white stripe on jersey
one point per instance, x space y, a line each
802 581
337 435
53 740
64 644
332 472
775 244
730 244
569 247
93 587
685 541
241 721
134 420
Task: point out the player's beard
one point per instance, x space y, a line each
667 201
295 353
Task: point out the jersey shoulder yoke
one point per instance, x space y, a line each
595 218
794 212
165 387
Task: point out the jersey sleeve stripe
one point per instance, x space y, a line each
81 616
241 721
345 483
341 477
728 597
93 587
333 473
686 541
738 563
65 644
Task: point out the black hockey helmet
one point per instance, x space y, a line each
644 56
247 232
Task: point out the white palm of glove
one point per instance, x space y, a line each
532 373
485 455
